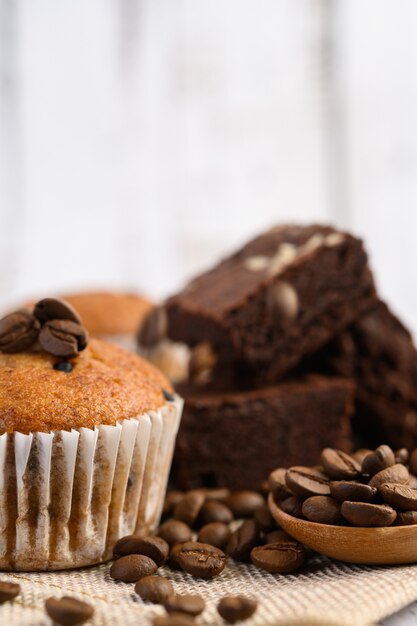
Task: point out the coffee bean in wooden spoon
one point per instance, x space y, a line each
339 465
306 482
322 509
378 460
351 490
366 514
399 496
397 473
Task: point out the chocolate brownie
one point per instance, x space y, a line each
378 353
281 297
235 438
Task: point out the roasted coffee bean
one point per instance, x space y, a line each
401 456
173 556
220 494
68 611
189 603
276 536
399 496
63 366
306 482
169 397
155 548
374 462
215 533
62 338
18 331
171 500
350 490
322 509
213 511
293 506
277 484
243 540
55 309
413 462
154 589
244 503
174 619
360 454
282 557
339 465
8 591
154 328
236 608
174 531
405 518
264 519
201 560
366 514
395 474
132 567
189 507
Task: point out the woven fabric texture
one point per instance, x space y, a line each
325 593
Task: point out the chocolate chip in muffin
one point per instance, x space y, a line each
63 366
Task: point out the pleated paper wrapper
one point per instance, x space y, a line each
67 496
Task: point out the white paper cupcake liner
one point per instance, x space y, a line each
66 497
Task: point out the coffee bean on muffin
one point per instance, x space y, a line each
213 511
174 619
62 338
154 589
243 540
395 474
351 490
18 331
189 603
174 531
132 567
8 591
322 509
201 560
282 557
55 309
401 497
189 506
155 548
216 534
367 514
68 611
244 503
338 465
306 482
236 608
378 460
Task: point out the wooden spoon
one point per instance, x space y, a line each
390 545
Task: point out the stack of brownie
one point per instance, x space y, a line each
291 350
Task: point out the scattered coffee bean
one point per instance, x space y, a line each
264 519
360 454
189 507
405 518
174 619
62 338
366 514
55 309
201 560
18 331
322 509
68 611
378 460
356 492
395 474
338 465
190 603
169 397
171 500
293 506
132 567
174 531
236 608
154 328
277 484
63 366
217 493
399 496
306 482
213 511
244 503
173 556
401 456
276 536
8 591
154 589
215 533
155 548
282 557
243 540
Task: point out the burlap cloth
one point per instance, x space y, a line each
325 592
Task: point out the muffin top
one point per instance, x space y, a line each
106 384
110 313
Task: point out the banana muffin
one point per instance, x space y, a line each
87 435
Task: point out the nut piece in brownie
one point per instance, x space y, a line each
235 438
281 297
378 353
